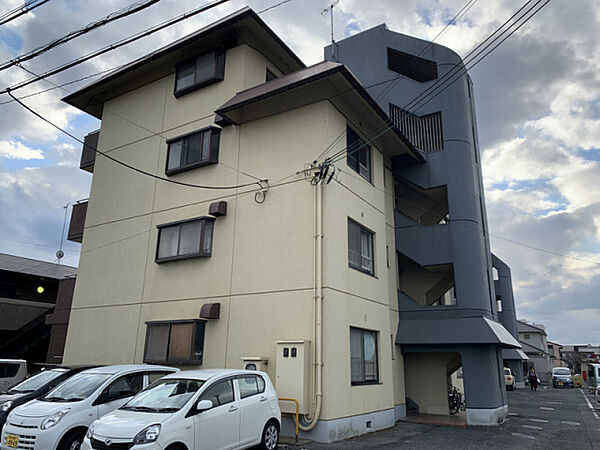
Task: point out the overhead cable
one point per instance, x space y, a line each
123 12
20 10
115 45
444 82
129 166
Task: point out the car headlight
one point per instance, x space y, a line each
52 420
4 407
147 435
90 431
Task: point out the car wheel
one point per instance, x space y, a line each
72 441
270 436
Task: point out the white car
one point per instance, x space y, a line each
195 410
59 420
12 371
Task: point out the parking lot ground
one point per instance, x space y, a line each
548 418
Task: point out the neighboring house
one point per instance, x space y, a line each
577 356
28 295
533 340
352 300
554 350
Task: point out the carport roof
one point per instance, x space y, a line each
18 264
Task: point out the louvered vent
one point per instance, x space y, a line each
425 132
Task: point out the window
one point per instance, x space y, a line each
200 71
219 393
363 356
122 387
411 66
8 370
251 385
185 239
174 342
153 376
197 149
360 248
526 336
359 154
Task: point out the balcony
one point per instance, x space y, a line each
88 153
77 221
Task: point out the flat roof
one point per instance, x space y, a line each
244 23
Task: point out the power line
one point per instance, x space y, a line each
444 80
19 11
119 14
392 81
422 99
135 169
460 222
121 43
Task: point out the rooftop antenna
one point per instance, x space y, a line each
326 11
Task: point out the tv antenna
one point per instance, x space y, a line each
329 10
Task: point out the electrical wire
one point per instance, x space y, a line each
459 222
129 166
118 44
393 80
426 96
444 80
123 12
24 9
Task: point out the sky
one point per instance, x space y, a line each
538 110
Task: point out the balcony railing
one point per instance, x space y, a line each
77 221
88 153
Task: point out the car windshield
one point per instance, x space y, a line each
164 396
36 381
76 388
506 371
561 371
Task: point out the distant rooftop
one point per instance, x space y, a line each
12 263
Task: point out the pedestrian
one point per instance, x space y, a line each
533 379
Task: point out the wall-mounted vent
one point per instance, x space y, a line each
424 132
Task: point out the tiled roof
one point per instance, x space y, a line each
11 263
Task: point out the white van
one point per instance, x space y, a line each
12 371
593 376
59 420
196 409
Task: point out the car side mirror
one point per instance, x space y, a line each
204 405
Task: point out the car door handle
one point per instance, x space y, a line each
263 398
232 408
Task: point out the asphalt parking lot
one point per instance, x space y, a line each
548 418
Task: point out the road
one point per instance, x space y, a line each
548 418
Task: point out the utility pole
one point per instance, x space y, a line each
329 10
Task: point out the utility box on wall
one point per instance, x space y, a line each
255 363
292 378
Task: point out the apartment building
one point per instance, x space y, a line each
533 339
264 234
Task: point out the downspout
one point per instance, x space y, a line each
318 290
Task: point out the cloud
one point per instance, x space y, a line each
16 150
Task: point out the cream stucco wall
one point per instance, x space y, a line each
262 264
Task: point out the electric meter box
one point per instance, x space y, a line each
293 374
255 363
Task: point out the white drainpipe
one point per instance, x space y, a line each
318 288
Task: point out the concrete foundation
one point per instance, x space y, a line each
344 428
487 417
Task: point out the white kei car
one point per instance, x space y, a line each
195 410
60 419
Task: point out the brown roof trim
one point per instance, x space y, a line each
229 20
296 79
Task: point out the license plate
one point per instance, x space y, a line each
12 441
560 384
